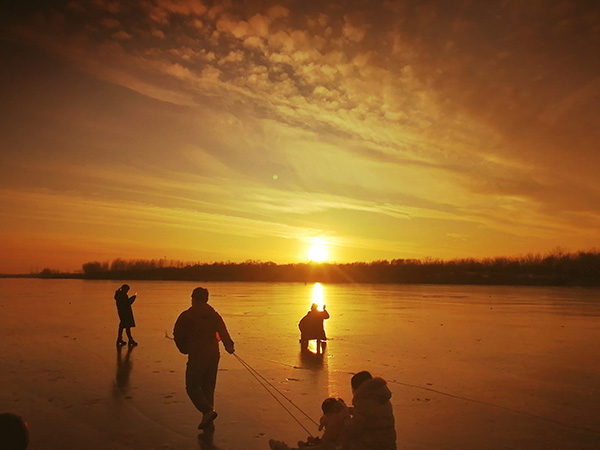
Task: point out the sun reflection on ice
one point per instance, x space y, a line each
317 296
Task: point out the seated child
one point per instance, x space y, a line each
334 419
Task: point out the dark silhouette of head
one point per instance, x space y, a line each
359 378
124 288
314 307
331 406
14 434
199 296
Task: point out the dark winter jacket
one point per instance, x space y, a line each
196 333
334 424
124 302
311 325
372 424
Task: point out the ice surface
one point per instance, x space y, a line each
469 367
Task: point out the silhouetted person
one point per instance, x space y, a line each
311 326
14 434
372 425
197 333
127 321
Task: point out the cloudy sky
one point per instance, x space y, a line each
229 130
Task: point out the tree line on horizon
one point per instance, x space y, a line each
555 269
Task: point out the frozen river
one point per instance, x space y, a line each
470 367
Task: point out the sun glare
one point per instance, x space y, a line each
317 296
318 252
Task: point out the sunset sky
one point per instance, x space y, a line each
214 131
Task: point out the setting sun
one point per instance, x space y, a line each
318 252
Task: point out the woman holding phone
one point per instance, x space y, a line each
125 311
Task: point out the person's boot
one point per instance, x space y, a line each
207 419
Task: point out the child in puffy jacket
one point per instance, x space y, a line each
333 421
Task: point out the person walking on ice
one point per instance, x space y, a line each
196 333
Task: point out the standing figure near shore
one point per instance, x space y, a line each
197 333
125 311
311 326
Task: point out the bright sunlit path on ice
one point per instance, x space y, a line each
317 296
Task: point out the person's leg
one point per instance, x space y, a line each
200 385
193 385
131 341
209 381
120 340
303 343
